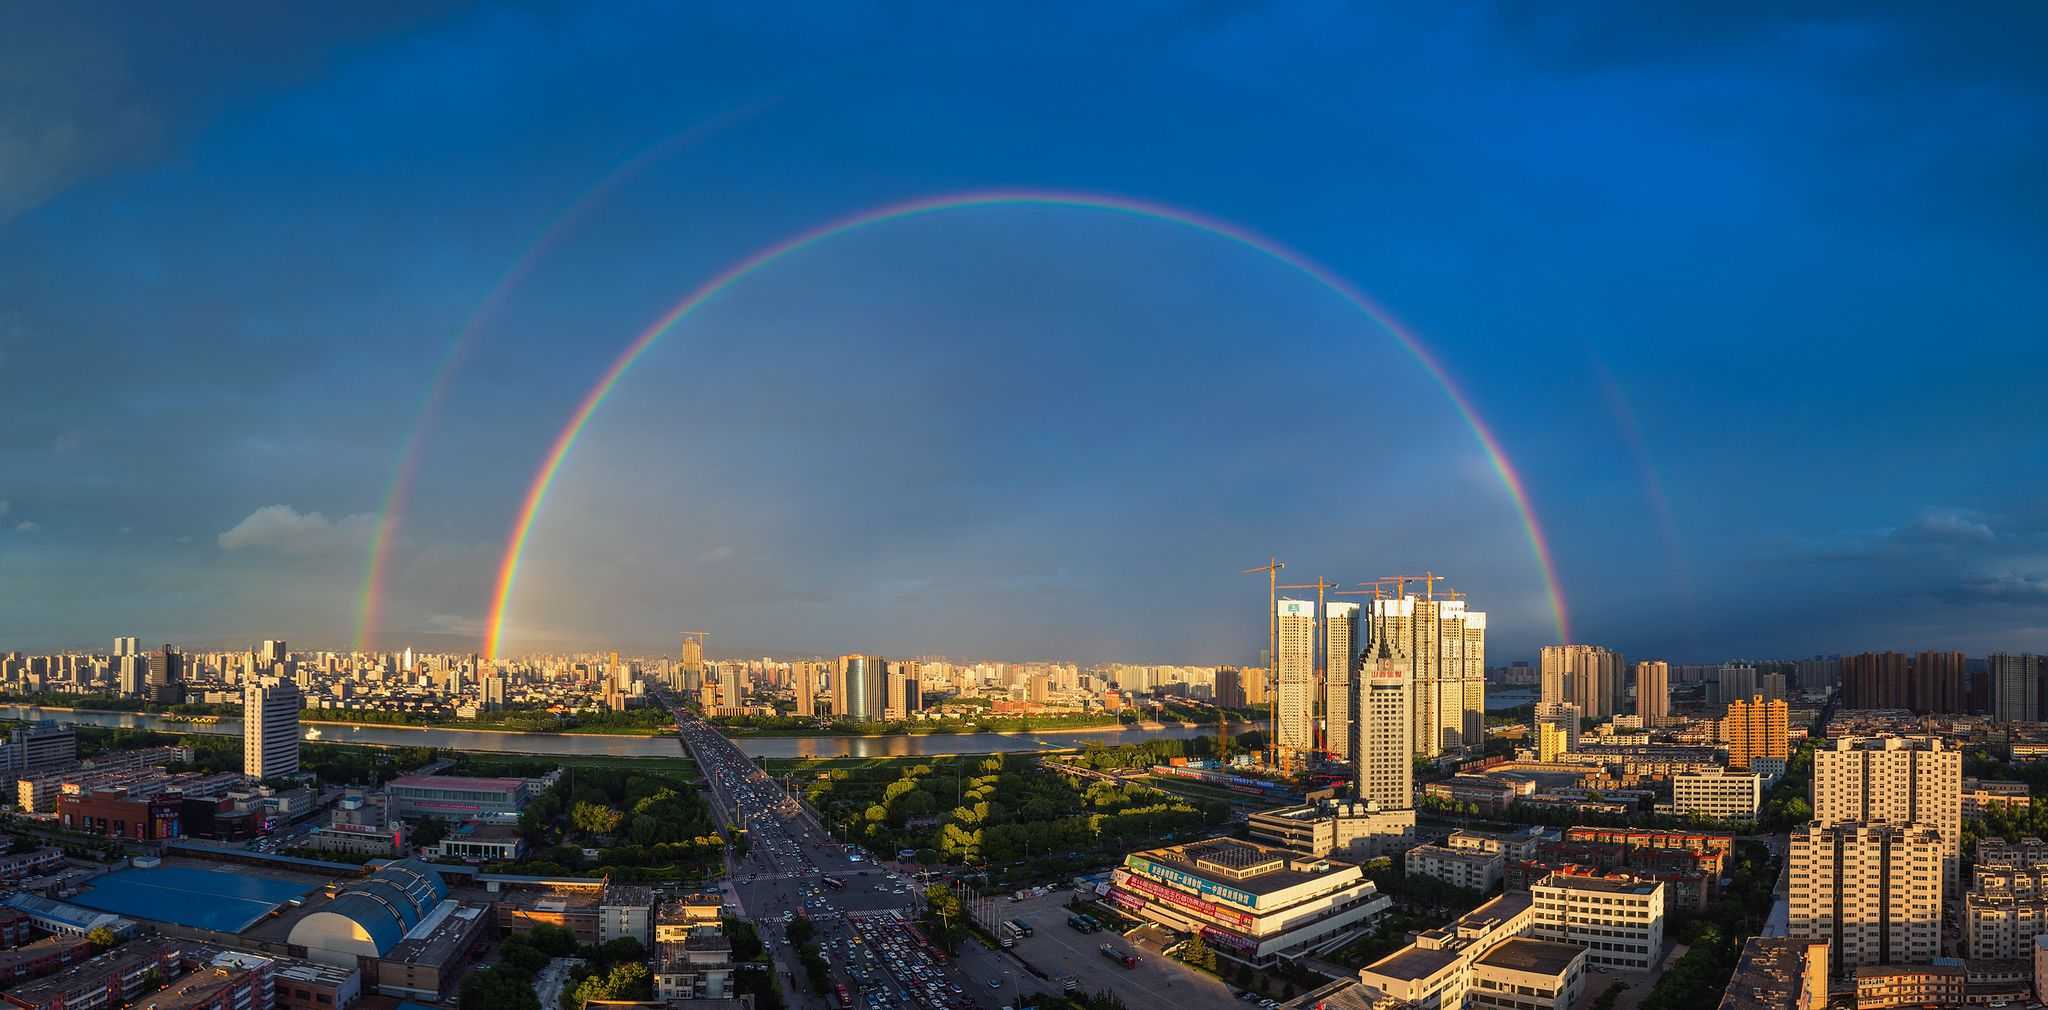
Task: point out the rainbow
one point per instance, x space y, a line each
370 605
551 463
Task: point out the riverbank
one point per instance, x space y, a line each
182 719
741 733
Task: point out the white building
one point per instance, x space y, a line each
1252 902
1294 708
1467 868
270 727
1386 767
1346 830
1899 780
1435 972
1719 794
1870 890
1527 974
1619 922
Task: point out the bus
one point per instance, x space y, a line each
1023 928
1081 923
834 883
844 998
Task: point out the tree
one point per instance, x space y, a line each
1196 952
595 818
102 937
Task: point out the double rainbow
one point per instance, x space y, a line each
551 464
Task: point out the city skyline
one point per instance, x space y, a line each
478 326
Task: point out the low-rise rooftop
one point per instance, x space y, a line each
1541 957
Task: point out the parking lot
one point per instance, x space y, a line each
1060 952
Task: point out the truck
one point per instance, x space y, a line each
1081 923
1122 957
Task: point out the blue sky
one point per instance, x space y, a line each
1752 301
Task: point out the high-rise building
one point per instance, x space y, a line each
2015 687
167 676
905 696
1735 682
1871 890
1902 780
1588 676
1757 728
1938 683
127 646
803 676
274 651
1653 692
690 671
1447 643
1876 680
1557 729
270 727
1294 707
1229 687
131 675
1340 656
1384 741
859 690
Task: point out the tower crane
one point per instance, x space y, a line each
1271 569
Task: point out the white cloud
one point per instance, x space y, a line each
286 530
25 526
1946 526
720 553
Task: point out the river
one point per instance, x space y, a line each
935 744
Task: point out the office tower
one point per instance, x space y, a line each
1588 676
1294 709
1257 686
1938 683
1384 739
904 694
494 691
858 688
803 676
270 727
1653 692
1229 689
1734 682
1759 727
1870 889
1447 644
1560 720
273 652
691 669
132 673
2015 687
167 676
1876 680
127 646
1903 780
407 664
1340 630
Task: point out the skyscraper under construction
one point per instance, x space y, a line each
1446 643
1296 672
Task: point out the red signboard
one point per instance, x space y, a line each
1125 878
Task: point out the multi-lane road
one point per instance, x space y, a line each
862 920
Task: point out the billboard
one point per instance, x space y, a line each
1126 879
1192 882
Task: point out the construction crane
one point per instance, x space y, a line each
1427 578
1271 569
1316 648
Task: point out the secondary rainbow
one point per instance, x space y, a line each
551 463
390 516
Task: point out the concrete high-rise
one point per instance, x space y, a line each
1229 687
1757 728
1447 644
1938 683
1876 680
1902 780
2015 687
1653 692
1557 722
1588 676
690 668
1294 705
1385 740
1340 656
1871 890
803 676
1735 682
904 695
127 646
270 727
